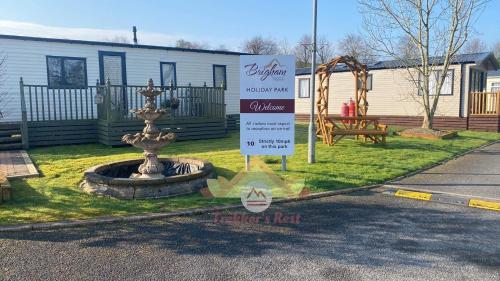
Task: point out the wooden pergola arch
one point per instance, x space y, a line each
325 124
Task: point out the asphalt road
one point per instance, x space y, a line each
476 174
360 236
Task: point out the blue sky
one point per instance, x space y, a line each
215 22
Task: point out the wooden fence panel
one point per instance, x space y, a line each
50 104
484 103
102 113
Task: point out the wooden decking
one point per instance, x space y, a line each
102 113
17 164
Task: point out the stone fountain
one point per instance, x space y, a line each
151 176
151 139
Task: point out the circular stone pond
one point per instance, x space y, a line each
118 179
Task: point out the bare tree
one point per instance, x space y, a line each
181 43
407 49
324 50
118 39
473 46
438 28
284 48
496 50
302 51
260 46
355 45
222 47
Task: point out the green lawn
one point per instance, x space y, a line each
56 195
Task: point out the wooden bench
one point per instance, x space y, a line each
368 127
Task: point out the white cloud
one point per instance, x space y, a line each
95 34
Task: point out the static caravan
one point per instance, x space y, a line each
55 87
393 97
493 81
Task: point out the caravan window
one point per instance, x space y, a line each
495 87
446 89
220 76
303 87
66 72
168 73
369 82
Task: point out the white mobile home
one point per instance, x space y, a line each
59 69
493 81
69 63
394 98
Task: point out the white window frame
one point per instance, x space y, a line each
301 95
369 82
495 86
432 83
174 73
64 80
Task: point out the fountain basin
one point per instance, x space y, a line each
116 179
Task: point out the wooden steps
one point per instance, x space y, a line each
10 136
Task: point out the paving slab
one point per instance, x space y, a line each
476 174
17 164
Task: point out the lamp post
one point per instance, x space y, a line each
312 128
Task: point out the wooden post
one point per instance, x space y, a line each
5 188
247 163
498 103
283 163
108 101
223 105
98 106
171 90
171 97
356 93
24 116
214 100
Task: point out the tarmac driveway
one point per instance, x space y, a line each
358 236
476 175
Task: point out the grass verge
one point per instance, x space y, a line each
350 163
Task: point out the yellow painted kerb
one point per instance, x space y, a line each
484 204
413 195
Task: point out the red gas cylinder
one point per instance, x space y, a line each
352 109
344 111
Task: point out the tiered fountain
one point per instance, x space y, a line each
151 139
154 177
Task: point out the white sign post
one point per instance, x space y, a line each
267 105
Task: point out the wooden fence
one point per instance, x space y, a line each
119 100
484 103
101 113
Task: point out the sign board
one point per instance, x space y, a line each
267 105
